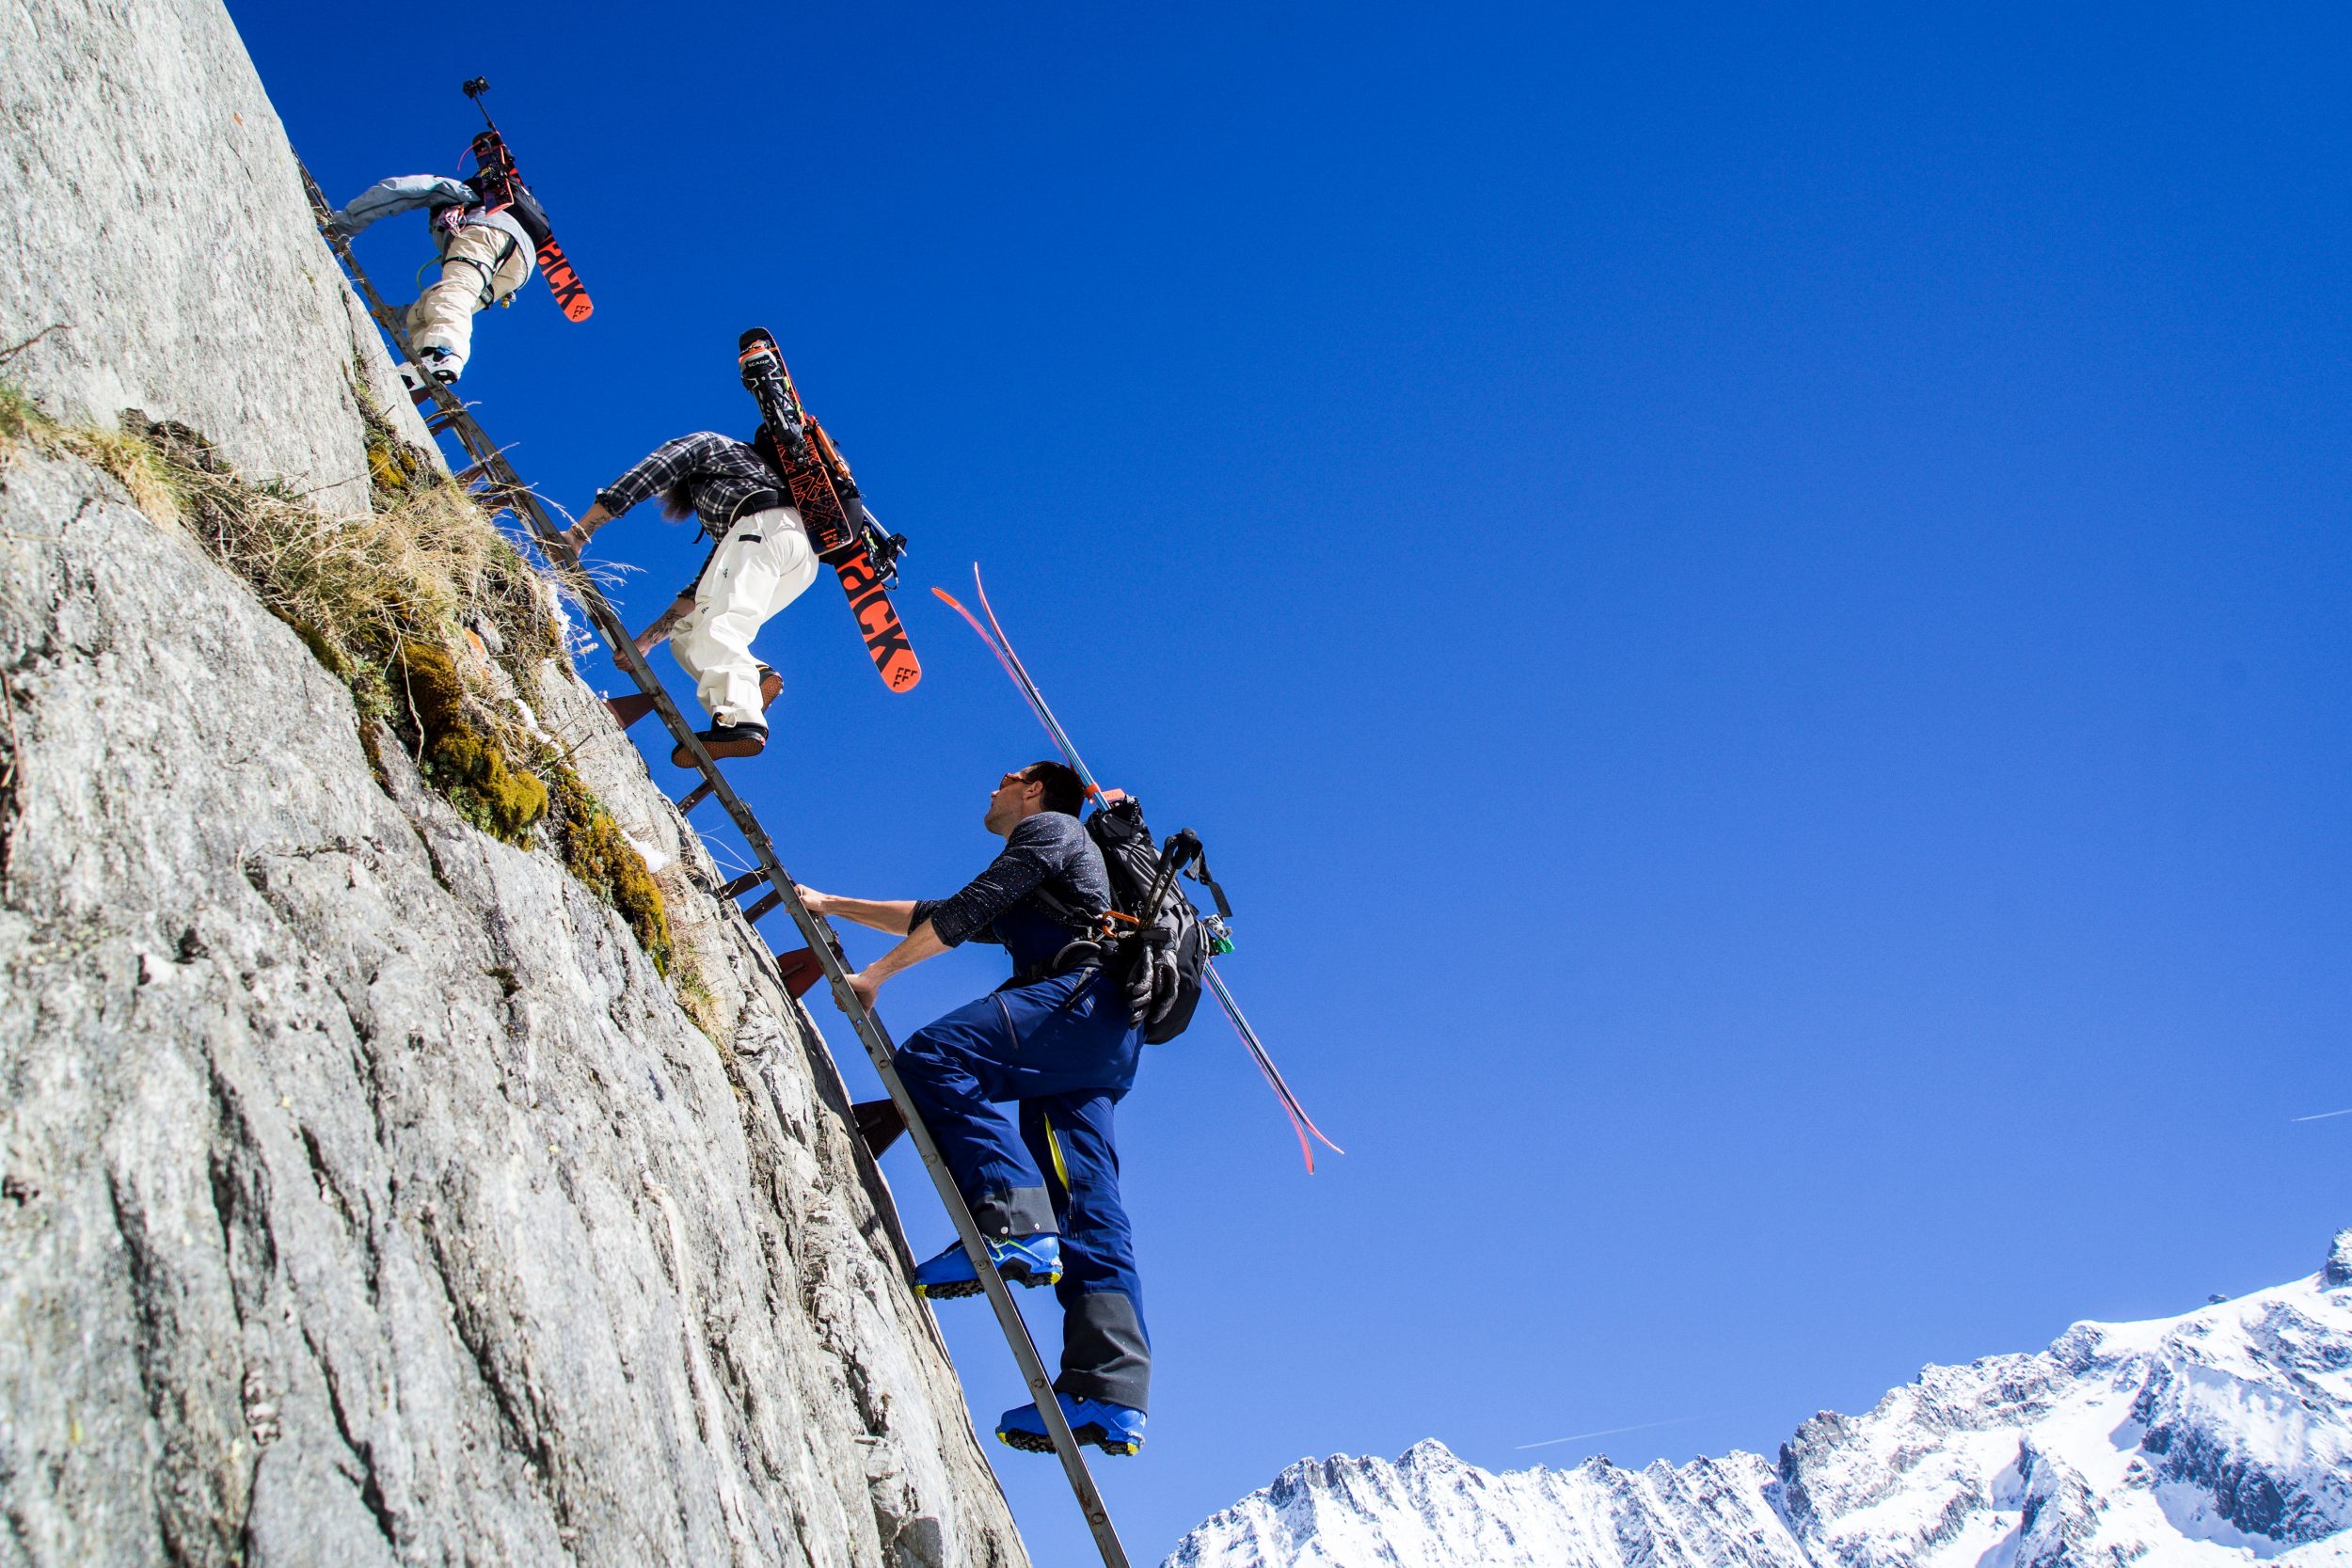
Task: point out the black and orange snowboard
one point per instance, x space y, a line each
570 293
845 535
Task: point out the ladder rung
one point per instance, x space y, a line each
763 907
800 969
695 796
742 884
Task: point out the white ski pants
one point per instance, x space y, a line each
764 563
481 265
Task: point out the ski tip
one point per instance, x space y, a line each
946 597
754 335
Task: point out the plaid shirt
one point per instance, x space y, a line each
724 477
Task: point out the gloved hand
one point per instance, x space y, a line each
1151 988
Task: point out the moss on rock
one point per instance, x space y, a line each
462 760
600 855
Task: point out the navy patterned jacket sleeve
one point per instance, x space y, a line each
1037 847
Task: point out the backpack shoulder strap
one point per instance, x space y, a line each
1060 911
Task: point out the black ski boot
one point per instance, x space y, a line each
726 741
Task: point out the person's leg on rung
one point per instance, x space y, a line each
1107 1353
950 1067
481 264
764 563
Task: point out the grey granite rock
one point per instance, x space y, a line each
155 214
369 1197
365 1196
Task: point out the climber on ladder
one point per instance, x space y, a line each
1059 1039
487 230
485 252
761 562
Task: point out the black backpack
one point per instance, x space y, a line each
500 187
1160 945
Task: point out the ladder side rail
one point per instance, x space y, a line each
817 932
876 1039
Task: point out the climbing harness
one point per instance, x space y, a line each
503 487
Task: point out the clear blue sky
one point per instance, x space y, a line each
1753 611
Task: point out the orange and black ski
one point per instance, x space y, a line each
570 293
502 187
845 535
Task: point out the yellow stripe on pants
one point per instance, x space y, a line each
1053 1147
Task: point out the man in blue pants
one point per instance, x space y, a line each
1056 1037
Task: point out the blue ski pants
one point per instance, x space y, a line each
1063 1049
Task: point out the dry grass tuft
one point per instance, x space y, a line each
416 570
416 606
137 466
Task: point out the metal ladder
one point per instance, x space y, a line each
504 486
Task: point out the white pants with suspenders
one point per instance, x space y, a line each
481 264
764 563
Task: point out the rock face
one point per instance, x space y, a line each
365 1196
2223 1436
156 217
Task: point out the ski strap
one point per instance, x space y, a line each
1199 873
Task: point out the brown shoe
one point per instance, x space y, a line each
726 741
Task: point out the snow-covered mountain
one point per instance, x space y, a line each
2223 1436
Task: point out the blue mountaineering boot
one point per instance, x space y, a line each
1023 1260
1113 1428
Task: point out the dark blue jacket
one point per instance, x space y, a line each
1049 869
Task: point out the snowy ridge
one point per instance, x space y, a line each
2222 1436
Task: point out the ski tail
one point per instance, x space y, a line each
1301 1122
993 636
570 293
949 600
